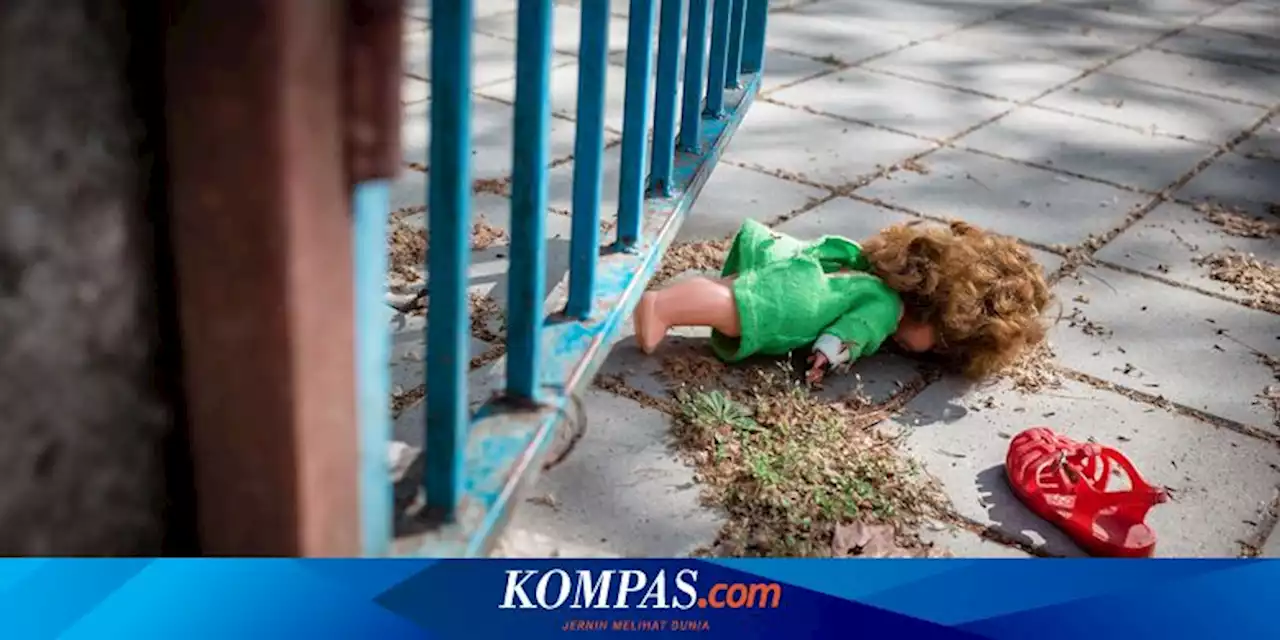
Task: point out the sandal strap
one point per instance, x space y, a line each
1092 498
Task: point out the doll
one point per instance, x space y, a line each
972 297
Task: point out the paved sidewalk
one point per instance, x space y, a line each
1108 136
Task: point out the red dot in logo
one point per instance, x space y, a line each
702 603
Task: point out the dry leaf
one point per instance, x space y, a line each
863 540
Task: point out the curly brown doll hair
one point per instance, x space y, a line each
983 293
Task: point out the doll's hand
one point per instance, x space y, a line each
817 368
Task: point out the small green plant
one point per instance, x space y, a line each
715 408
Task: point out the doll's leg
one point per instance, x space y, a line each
700 302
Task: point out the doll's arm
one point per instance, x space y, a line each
859 332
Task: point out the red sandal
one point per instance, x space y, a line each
1065 482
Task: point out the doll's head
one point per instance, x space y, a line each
973 297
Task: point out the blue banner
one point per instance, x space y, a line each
910 599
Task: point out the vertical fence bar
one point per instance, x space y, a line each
665 98
737 24
449 201
635 121
527 274
370 205
695 59
719 58
753 39
588 152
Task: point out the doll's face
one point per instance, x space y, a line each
915 336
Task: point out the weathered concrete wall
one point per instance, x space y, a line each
84 421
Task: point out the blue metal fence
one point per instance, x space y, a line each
476 463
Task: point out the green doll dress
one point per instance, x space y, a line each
791 293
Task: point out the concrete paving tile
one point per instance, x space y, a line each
488 269
731 195
1251 184
1073 47
783 67
1198 351
418 9
816 148
1199 75
845 217
1089 148
1248 17
734 194
493 59
962 543
821 37
1226 46
408 354
1033 204
1166 242
1169 10
622 490
975 69
643 372
416 49
622 8
1153 108
1272 547
1223 481
517 542
1050 262
1263 143
408 191
414 90
1126 28
566 25
492 128
914 19
891 102
481 8
564 93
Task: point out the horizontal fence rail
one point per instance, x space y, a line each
680 108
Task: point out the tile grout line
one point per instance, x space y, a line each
950 140
1161 402
844 65
1266 527
1231 63
1088 248
1178 285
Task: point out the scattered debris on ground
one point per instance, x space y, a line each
485 235
914 166
1034 371
494 186
1077 320
692 256
862 540
488 321
1270 395
1258 279
1239 223
791 469
402 399
406 250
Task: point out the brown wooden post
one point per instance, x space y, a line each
261 240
